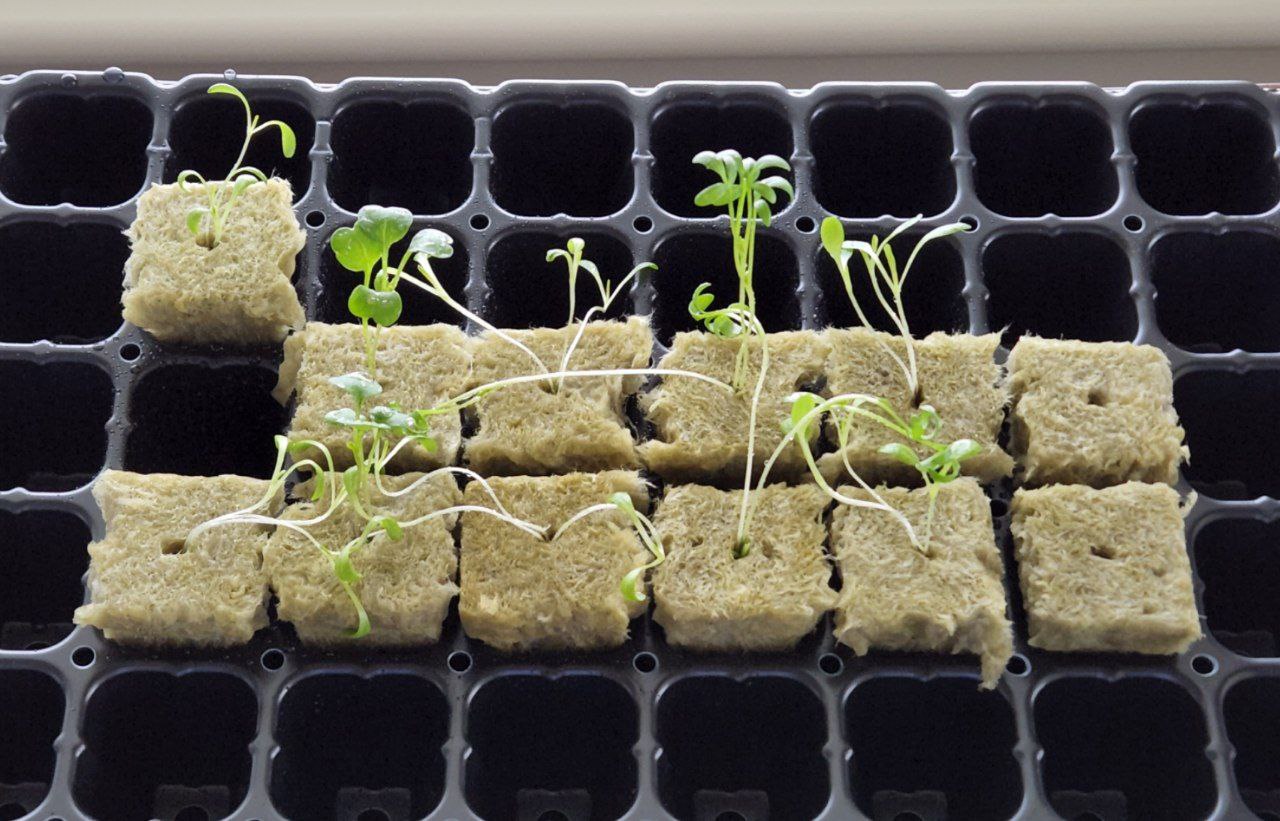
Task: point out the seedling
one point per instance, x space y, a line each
208 222
632 583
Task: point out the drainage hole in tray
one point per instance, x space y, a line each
805 225
1133 222
642 224
645 662
971 221
273 659
479 222
1204 665
130 351
315 219
830 664
1018 665
83 656
460 662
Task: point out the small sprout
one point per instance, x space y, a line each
632 584
359 386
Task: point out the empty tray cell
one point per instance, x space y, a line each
751 746
933 296
1200 156
30 719
875 158
1229 419
686 260
551 748
1087 275
420 307
561 158
919 746
61 283
526 291
423 161
85 150
388 764
158 745
1239 562
44 553
62 410
207 133
682 128
1048 157
1218 292
198 420
1252 712
1132 748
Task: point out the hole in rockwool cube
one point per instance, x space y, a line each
62 409
1229 423
526 291
31 706
389 760
1239 562
1200 156
1130 748
88 150
1037 157
423 161
200 420
571 157
1252 712
44 553
876 158
1087 275
683 127
1218 292
156 743
61 282
731 744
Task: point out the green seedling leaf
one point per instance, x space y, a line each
701 300
575 246
352 479
242 182
769 161
393 530
355 250
385 226
901 452
832 233
194 217
432 244
343 417
962 449
318 486
781 184
802 404
227 88
344 569
631 585
391 419
763 213
357 385
718 193
622 501
288 140
383 307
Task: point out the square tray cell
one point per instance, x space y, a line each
208 130
1133 748
158 745
63 414
1199 156
751 746
420 307
45 558
61 283
1239 562
686 260
388 764
423 159
30 720
86 150
1252 712
1037 157
919 746
198 420
684 127
561 158
873 158
551 748
1229 421
526 291
1086 274
933 296
1218 292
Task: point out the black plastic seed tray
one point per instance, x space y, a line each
1086 203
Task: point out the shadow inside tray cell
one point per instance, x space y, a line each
419 307
526 291
61 283
551 748
686 260
1053 157
31 706
1229 420
751 746
1132 748
1239 562
1218 292
1069 285
684 127
199 420
162 746
356 748
921 746
1252 713
933 295
882 158
45 556
56 416
88 150
1198 157
207 133
423 162
551 158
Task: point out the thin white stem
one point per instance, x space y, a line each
582 514
531 529
749 470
